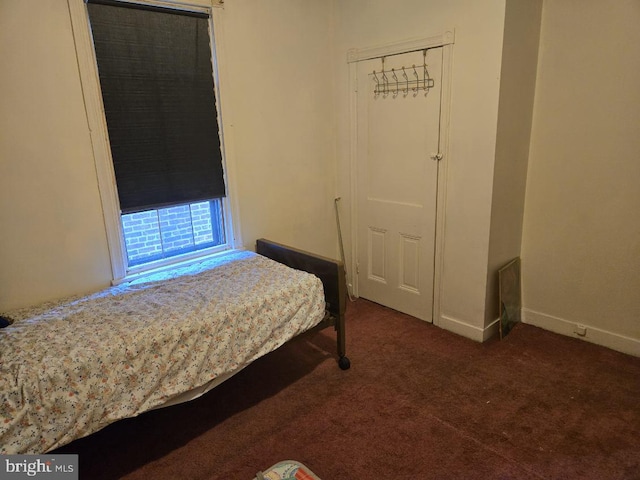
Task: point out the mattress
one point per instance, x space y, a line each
69 368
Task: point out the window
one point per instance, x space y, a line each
157 85
162 233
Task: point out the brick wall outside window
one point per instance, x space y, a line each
155 234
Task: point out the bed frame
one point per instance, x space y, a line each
331 273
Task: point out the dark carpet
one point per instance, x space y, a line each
417 403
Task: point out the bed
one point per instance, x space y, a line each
71 367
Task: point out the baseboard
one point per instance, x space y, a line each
491 330
472 332
591 334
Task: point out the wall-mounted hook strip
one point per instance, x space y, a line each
413 82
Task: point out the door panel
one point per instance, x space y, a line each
376 254
398 131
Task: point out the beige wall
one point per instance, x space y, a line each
517 89
52 237
474 110
278 73
581 238
277 85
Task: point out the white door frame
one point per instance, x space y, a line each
355 55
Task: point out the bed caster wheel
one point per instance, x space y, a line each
344 363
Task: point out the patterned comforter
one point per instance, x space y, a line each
69 368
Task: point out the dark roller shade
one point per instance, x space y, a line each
157 86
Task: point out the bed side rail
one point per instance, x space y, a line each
330 272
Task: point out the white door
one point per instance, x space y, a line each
397 172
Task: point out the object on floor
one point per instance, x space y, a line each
287 470
510 296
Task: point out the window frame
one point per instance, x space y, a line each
96 119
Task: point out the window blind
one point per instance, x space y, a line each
157 86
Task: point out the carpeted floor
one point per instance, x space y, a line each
417 403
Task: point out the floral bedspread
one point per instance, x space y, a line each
69 368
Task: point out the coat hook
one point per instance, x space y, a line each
415 73
425 73
395 77
405 91
376 90
385 82
385 85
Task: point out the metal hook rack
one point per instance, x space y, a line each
419 82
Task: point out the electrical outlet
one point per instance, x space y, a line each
580 330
